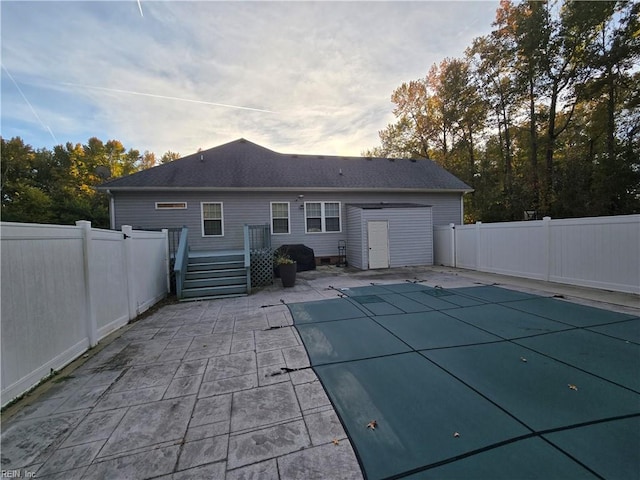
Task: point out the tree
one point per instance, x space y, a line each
464 113
492 61
169 156
148 160
523 30
58 186
542 114
22 197
615 88
398 140
17 160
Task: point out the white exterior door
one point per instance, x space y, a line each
378 234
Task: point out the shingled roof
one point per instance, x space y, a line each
242 164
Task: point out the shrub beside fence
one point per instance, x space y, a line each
63 288
600 252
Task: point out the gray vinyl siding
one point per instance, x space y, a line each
355 236
410 236
138 210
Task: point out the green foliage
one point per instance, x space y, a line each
44 186
541 114
169 156
282 259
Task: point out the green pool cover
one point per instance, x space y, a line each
478 383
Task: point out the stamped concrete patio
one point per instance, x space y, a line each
216 389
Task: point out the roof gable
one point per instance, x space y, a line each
242 164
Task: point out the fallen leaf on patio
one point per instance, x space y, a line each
372 424
456 434
573 387
336 441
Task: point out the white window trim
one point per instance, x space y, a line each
202 219
159 206
323 217
288 232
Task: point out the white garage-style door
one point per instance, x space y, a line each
378 234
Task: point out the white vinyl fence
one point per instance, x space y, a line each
66 287
600 252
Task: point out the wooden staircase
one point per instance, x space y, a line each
215 275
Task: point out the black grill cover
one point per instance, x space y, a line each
303 255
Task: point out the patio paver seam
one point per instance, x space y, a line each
184 437
134 451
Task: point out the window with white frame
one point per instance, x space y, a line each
322 217
331 216
279 218
212 220
171 205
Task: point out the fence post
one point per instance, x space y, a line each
546 224
167 258
452 244
132 298
90 321
478 225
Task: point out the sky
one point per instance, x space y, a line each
296 77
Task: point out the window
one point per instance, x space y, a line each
322 216
332 217
313 214
279 218
171 205
212 220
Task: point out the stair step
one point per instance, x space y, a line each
215 281
213 258
192 267
214 291
224 272
213 297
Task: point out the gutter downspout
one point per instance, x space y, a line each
112 210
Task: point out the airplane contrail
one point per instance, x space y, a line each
166 97
33 110
140 8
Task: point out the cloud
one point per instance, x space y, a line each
163 97
185 75
26 100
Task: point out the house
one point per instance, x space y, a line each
383 208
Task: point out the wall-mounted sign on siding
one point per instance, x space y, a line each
171 205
